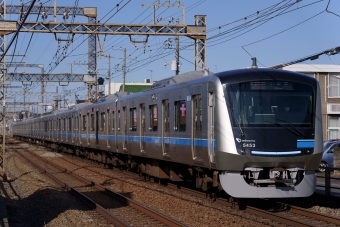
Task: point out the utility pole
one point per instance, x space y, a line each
89 88
196 32
177 55
109 74
124 65
174 67
124 70
25 90
109 58
151 75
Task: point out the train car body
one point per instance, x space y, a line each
256 133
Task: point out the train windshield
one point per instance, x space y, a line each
270 104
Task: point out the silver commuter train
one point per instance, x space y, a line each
255 133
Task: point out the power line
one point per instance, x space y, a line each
331 11
285 29
17 31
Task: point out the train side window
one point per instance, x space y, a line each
84 122
133 119
153 110
102 122
180 116
64 124
92 122
59 124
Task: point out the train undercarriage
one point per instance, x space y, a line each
163 171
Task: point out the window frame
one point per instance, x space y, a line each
133 119
178 118
153 122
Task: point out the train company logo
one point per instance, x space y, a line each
245 141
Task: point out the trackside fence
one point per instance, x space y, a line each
328 180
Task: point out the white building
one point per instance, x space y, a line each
329 80
116 86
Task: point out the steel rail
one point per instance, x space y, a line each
312 214
260 212
252 210
101 210
151 213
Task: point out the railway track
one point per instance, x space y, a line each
286 214
116 208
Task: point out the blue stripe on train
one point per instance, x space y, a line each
147 139
305 144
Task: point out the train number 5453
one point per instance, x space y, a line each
248 145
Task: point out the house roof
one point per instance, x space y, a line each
134 88
313 68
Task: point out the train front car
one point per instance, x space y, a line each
271 144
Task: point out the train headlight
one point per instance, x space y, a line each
308 151
242 151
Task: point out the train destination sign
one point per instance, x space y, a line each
271 85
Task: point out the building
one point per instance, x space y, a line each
129 87
329 79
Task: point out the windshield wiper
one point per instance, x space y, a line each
239 126
284 127
302 134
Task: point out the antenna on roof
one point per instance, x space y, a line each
254 66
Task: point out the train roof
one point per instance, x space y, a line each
263 73
180 78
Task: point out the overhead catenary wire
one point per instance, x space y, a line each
63 57
17 31
157 54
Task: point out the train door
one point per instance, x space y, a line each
113 135
142 127
72 125
96 128
197 127
211 122
67 129
56 129
166 127
52 129
49 129
59 129
108 123
87 128
119 122
79 131
124 128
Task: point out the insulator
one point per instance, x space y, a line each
65 15
44 15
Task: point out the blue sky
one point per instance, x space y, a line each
293 32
